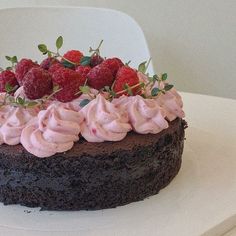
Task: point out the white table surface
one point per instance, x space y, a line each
199 201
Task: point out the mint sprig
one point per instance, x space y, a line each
86 60
9 89
13 60
144 66
23 102
59 42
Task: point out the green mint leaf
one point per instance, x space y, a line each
155 91
84 89
8 58
59 42
84 102
113 93
20 100
9 68
14 59
164 77
43 48
142 67
128 89
85 60
168 87
155 78
142 85
67 64
8 88
127 63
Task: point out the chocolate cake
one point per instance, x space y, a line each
93 175
82 132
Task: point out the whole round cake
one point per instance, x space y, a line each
84 132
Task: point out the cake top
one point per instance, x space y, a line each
47 107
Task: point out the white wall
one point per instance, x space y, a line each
193 40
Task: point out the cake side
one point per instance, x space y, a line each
102 175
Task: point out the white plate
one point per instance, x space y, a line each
201 198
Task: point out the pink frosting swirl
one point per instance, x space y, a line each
103 121
12 121
54 130
145 115
172 103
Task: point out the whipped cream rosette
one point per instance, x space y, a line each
13 121
54 130
145 115
172 103
103 121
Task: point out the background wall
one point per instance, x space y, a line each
193 40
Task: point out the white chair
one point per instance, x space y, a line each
22 29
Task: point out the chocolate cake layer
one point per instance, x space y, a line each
93 175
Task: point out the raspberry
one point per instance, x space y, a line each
54 67
96 60
48 62
69 82
73 56
37 83
22 67
7 77
114 64
126 75
83 70
99 77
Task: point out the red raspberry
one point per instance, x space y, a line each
7 77
96 60
73 56
55 67
83 70
48 62
99 77
126 75
69 81
114 64
37 83
22 67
